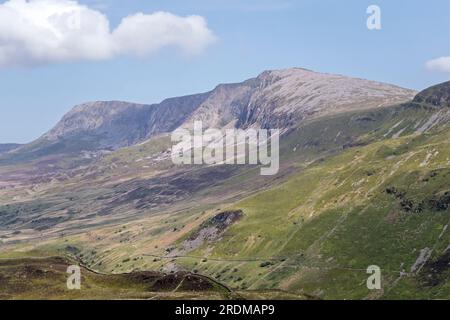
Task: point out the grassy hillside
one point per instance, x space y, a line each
46 277
377 205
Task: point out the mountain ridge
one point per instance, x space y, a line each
273 99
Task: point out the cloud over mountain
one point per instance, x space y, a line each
51 31
441 64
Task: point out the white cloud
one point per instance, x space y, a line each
440 64
45 31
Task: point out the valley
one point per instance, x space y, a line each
363 180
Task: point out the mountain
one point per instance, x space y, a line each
363 180
265 101
275 99
283 98
384 201
115 124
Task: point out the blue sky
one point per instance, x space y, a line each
250 36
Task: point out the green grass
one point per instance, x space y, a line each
334 219
45 278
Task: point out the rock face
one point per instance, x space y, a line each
113 122
274 99
116 124
282 98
